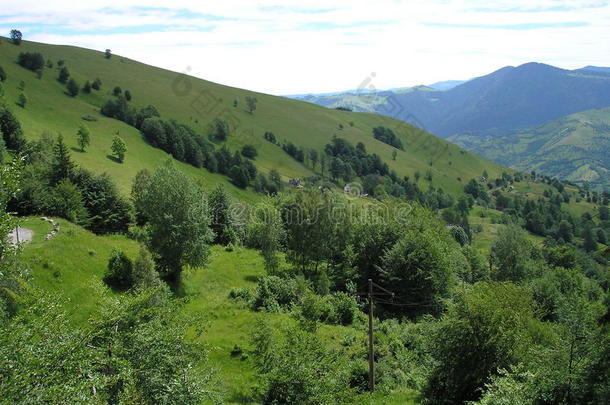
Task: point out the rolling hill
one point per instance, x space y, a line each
197 103
574 147
508 103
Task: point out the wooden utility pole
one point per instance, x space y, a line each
370 294
371 349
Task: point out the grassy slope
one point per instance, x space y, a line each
571 148
71 266
305 124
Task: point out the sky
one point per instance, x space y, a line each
313 46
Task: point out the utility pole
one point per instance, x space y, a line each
371 349
371 295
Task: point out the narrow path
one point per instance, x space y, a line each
20 234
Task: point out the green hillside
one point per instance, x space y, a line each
197 102
572 148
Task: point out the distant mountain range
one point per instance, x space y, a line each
508 103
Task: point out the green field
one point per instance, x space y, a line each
197 102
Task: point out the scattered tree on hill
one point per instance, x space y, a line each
119 148
22 100
97 84
116 91
73 88
127 95
175 202
21 85
220 130
31 60
2 74
108 54
251 103
386 135
138 189
61 62
49 63
16 37
64 74
87 87
83 137
249 151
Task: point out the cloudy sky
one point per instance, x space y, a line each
289 47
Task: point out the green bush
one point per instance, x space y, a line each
119 272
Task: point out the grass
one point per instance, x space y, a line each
50 110
71 266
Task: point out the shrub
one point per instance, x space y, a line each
119 272
31 60
274 293
240 293
249 151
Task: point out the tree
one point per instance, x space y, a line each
64 74
268 234
220 130
119 148
511 254
239 176
62 166
127 95
16 37
2 74
141 182
22 100
73 88
565 231
394 153
251 103
119 272
249 151
65 200
223 223
604 211
144 275
11 129
97 84
117 91
108 54
590 239
421 266
179 221
487 327
83 137
31 60
87 87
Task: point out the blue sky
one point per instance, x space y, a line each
288 47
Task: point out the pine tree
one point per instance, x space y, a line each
64 74
73 88
62 167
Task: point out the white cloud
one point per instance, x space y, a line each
315 46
